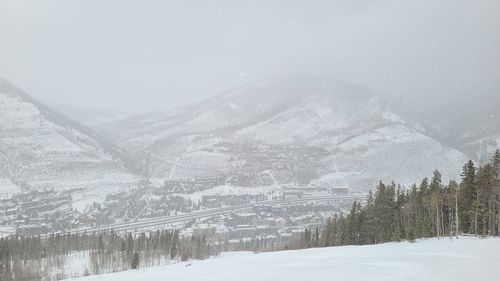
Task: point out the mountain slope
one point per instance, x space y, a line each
482 142
433 259
293 129
41 150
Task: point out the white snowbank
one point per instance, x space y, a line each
445 259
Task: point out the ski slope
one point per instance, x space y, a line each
433 259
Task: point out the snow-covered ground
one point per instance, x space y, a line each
433 259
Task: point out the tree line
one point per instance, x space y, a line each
431 209
49 258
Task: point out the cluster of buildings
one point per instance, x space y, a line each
221 200
187 186
38 212
184 196
151 202
288 163
264 226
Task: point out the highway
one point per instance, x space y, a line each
166 220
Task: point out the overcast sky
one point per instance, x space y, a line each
138 56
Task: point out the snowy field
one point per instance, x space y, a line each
445 259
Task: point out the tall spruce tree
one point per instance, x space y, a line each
468 198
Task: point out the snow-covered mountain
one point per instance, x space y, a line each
41 150
481 142
293 129
482 148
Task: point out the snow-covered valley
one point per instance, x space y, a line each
287 136
250 140
433 259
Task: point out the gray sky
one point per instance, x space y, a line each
139 56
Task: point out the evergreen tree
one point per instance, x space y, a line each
468 197
135 261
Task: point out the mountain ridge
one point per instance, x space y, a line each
44 150
298 130
293 112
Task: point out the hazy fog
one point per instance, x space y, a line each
139 56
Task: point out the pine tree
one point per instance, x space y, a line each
435 201
135 261
495 199
468 198
174 249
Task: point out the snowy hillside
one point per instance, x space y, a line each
288 130
483 148
455 260
481 141
42 150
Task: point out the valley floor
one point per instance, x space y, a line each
434 259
